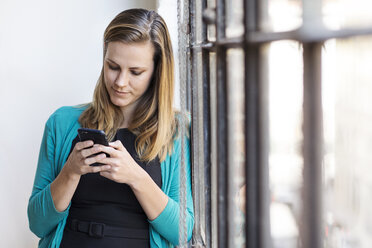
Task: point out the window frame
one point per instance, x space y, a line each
311 34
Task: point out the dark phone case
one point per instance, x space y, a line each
97 136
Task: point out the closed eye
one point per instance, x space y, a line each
136 73
114 68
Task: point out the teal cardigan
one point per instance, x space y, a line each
48 223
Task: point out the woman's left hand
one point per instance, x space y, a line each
124 168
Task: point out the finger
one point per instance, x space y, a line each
84 144
90 151
109 150
110 161
117 145
106 174
100 168
94 159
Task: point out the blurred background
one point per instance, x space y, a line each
346 75
347 116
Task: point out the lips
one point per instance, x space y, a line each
120 92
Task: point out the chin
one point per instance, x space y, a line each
119 103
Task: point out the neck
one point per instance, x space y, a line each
128 115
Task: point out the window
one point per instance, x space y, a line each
279 94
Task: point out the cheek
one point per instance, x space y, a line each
141 86
109 77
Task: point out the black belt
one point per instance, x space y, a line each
100 230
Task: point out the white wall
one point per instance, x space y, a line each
168 10
50 56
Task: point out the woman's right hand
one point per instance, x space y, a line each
79 161
77 164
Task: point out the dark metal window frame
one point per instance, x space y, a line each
312 36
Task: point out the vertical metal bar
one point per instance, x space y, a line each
207 146
263 166
198 155
312 148
257 224
251 126
206 132
204 25
222 154
197 132
195 128
252 149
201 137
214 168
251 17
189 80
220 20
192 35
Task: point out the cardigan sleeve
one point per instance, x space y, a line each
167 223
42 214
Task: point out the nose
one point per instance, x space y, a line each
123 79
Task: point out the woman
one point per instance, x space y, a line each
132 198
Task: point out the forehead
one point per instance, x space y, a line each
135 54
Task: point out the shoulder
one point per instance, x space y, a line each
66 115
69 111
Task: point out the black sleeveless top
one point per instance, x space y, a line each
100 200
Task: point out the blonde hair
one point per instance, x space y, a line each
153 121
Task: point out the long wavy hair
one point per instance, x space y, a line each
154 121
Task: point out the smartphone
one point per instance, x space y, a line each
97 136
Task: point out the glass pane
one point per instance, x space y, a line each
236 149
347 90
198 22
234 18
283 15
347 13
285 158
211 4
199 184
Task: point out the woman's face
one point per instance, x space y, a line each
128 69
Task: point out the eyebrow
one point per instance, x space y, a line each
134 67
